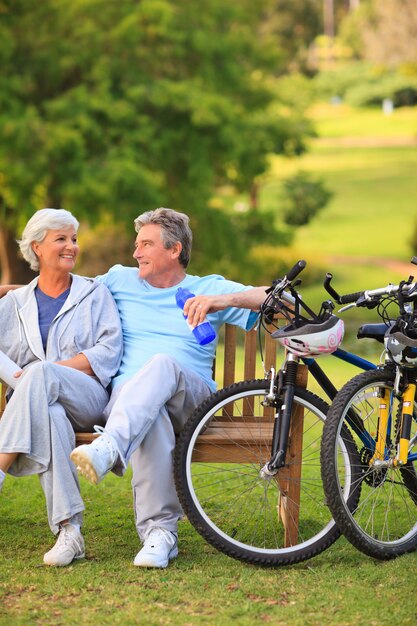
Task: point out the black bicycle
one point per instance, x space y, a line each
247 464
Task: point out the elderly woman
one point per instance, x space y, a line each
63 331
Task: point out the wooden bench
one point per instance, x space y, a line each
226 433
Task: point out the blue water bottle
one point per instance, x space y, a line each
204 332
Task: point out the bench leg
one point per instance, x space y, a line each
289 478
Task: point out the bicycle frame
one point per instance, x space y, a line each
282 425
321 377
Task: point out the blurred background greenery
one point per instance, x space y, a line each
285 129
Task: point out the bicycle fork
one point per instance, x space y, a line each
405 427
282 421
379 458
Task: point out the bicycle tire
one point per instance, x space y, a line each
230 505
383 523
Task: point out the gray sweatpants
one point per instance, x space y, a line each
50 402
144 415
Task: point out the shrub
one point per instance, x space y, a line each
304 197
361 84
402 90
271 262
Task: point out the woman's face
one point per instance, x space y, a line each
58 251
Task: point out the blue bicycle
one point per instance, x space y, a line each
247 464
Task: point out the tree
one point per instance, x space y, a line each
393 22
295 24
116 108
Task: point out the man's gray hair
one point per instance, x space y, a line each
37 227
174 227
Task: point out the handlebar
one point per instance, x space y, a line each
294 271
278 296
347 298
370 297
283 297
281 284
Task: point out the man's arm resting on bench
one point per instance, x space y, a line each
6 288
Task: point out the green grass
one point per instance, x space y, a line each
201 587
340 121
373 209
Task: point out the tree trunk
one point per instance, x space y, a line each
328 18
254 196
14 270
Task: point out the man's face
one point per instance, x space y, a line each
156 263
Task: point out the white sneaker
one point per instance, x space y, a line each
96 459
70 546
159 548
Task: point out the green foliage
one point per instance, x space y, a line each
104 245
402 90
362 84
337 82
304 197
295 24
119 107
268 262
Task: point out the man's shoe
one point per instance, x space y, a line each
96 459
159 548
70 546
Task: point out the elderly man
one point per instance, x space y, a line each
164 373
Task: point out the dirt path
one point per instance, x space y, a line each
391 264
367 142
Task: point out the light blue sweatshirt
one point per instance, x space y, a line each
88 322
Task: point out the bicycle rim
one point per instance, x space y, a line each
247 517
383 524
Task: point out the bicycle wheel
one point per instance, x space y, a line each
275 521
383 524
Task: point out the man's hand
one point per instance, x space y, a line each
197 308
6 288
78 362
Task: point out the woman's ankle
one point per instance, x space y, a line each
2 477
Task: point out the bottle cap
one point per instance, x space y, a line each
182 295
204 333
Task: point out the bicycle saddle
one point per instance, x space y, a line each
372 331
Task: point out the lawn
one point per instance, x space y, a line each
373 208
343 122
201 587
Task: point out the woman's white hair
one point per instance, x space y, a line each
37 227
